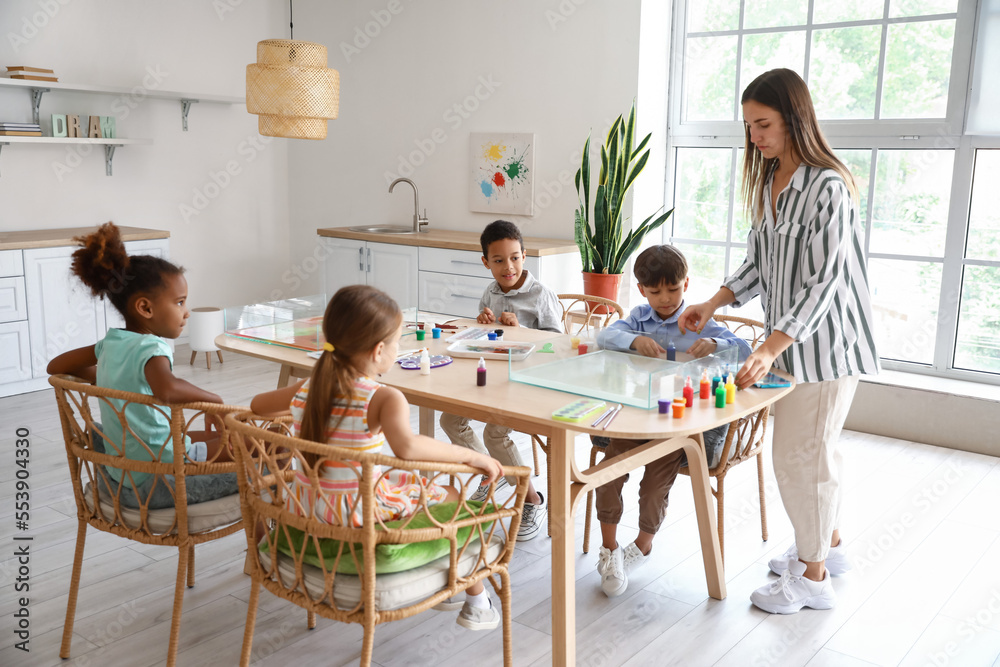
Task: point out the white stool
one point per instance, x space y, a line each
203 326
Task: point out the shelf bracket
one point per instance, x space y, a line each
185 108
36 102
109 154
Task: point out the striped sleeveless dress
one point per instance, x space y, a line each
397 494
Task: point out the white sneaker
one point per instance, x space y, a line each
483 492
633 558
837 560
793 591
610 564
532 520
477 618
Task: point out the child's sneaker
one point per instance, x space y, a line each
633 558
793 591
483 492
837 560
532 519
610 564
478 618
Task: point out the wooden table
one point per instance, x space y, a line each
528 409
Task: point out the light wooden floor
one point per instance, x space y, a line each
922 523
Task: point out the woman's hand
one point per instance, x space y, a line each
695 317
759 363
486 317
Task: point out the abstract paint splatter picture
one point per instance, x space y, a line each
502 178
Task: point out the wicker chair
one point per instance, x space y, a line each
575 322
97 494
744 441
317 563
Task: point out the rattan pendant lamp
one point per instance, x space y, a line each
291 89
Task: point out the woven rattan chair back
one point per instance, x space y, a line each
98 495
581 312
270 460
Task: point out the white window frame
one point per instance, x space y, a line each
888 134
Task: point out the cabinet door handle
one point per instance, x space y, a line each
462 261
369 260
361 259
463 296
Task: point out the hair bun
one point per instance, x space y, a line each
101 259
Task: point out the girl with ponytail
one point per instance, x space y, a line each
151 295
342 404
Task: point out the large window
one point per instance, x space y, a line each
890 80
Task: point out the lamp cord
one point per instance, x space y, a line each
291 26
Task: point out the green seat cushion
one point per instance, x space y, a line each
388 557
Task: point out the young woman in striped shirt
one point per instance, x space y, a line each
342 404
806 262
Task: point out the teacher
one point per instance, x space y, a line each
805 261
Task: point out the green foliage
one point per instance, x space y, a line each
604 245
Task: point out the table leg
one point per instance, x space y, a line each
704 510
284 375
426 421
563 563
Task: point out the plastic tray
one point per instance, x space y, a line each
491 349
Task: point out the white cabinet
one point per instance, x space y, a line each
62 314
15 356
46 310
391 268
453 281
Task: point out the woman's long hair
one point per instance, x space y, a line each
784 91
357 319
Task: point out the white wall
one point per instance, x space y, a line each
237 244
558 68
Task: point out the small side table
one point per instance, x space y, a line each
203 326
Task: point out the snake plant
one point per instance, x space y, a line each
605 246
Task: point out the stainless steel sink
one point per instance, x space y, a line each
382 229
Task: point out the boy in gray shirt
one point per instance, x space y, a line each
513 299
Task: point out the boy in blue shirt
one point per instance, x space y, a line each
513 299
661 272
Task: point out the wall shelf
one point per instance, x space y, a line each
109 144
37 88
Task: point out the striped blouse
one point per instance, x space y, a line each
809 269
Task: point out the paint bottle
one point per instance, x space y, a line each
664 405
421 334
481 373
705 386
730 389
499 333
436 332
720 396
574 342
671 351
491 336
716 379
425 362
679 408
688 392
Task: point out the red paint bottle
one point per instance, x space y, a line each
688 393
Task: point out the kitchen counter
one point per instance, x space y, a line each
52 238
453 240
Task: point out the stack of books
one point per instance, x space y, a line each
32 73
20 129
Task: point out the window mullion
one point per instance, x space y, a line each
954 254
880 73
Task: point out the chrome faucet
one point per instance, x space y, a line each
418 220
